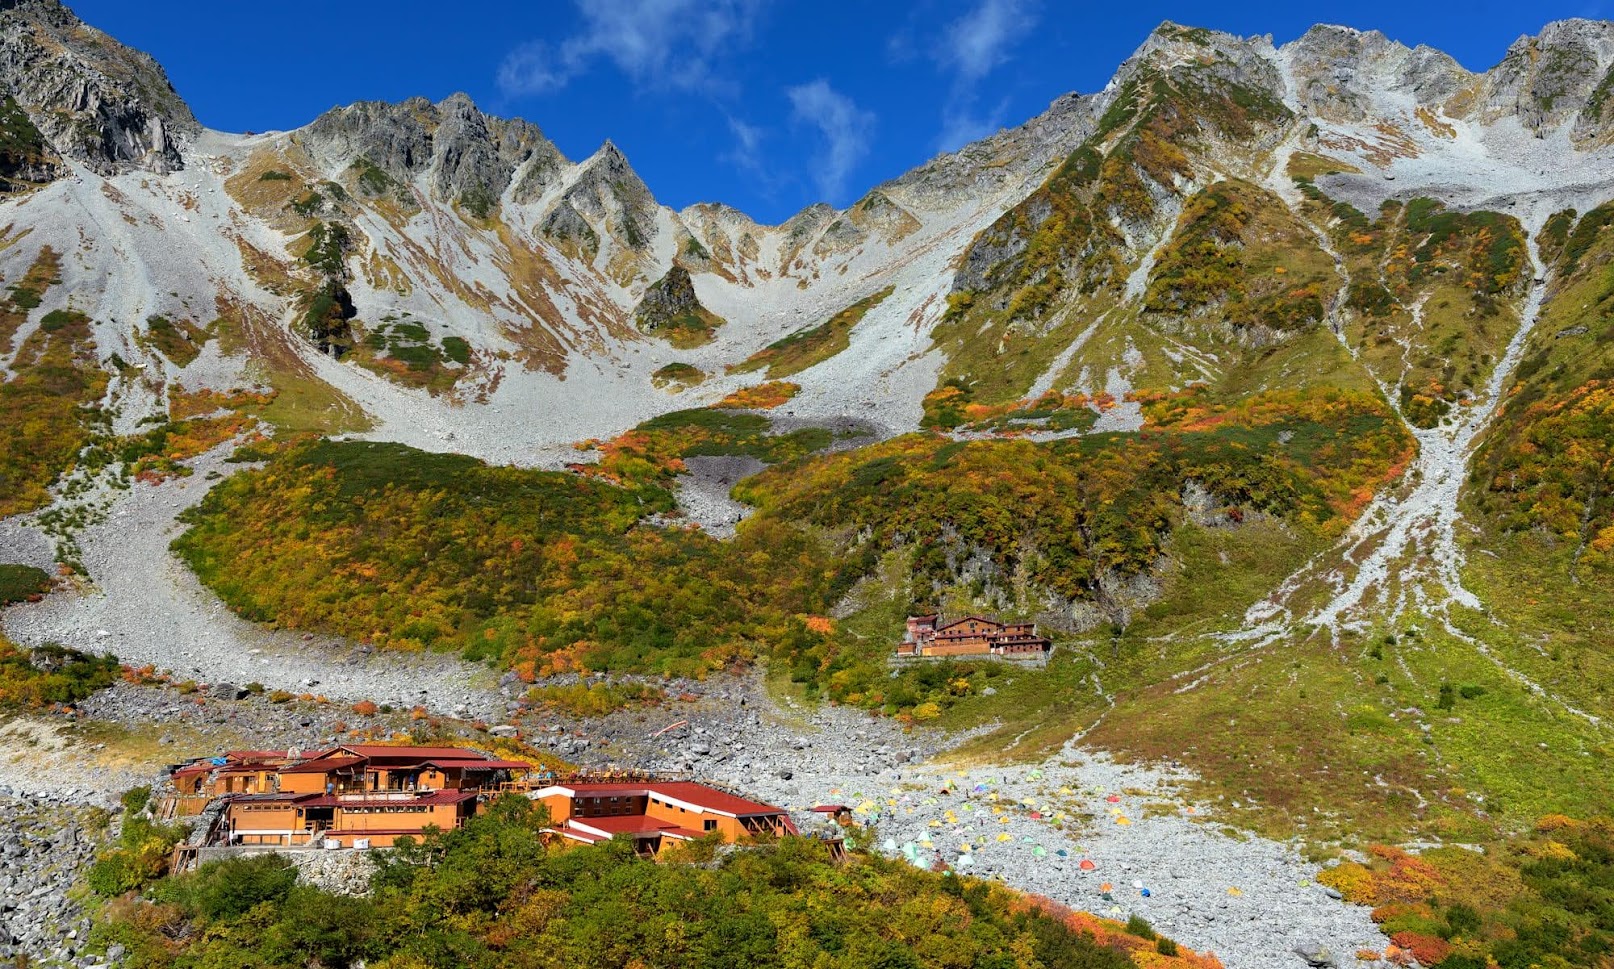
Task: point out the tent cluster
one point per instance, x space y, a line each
959 838
1028 829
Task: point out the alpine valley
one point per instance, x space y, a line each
1275 384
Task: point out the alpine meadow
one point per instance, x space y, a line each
1174 532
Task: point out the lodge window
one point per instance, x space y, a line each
710 824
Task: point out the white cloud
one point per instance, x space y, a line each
976 43
532 69
961 125
671 43
747 153
845 127
970 48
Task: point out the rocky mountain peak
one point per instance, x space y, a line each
96 101
1337 72
610 163
1546 80
606 194
1206 59
472 157
1171 45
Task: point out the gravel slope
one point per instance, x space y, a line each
145 606
1248 899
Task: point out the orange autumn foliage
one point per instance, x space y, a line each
1429 950
765 396
822 625
1113 935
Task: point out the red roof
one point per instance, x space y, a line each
687 791
633 824
322 766
256 754
712 799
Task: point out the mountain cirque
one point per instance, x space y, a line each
1341 304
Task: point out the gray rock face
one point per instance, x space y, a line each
345 872
46 844
668 300
96 101
1546 80
393 137
1001 161
1316 956
1337 69
1247 62
469 156
607 199
26 159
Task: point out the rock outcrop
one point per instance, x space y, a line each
1338 71
469 157
607 199
46 845
26 160
95 101
670 306
1545 81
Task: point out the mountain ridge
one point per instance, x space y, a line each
1226 215
1273 382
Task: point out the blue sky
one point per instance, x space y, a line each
767 105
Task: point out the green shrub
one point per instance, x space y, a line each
491 894
456 349
479 201
18 582
274 176
231 888
140 855
135 799
51 673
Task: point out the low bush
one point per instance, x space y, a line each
491 895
